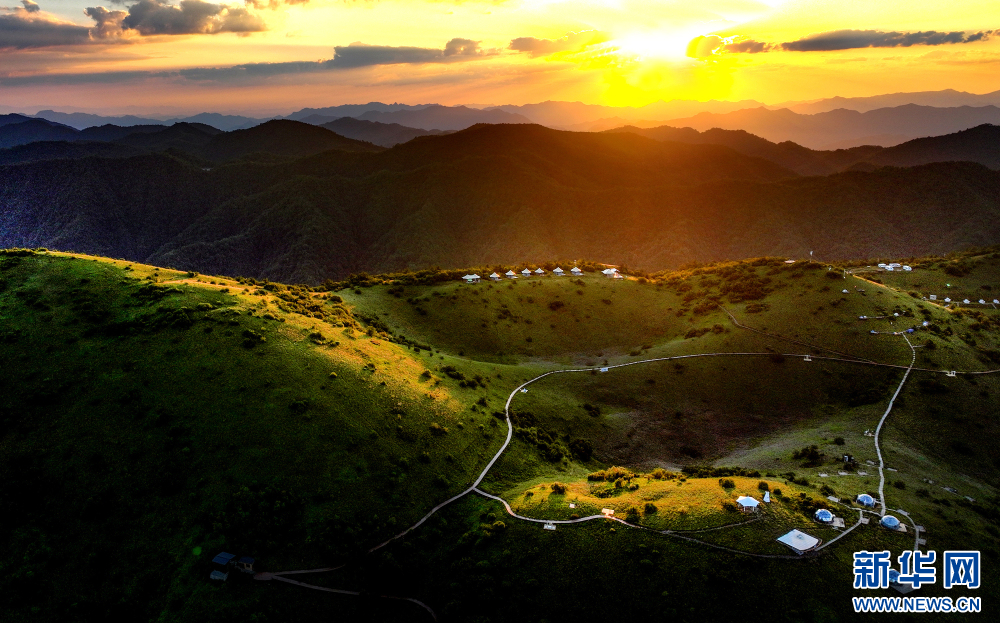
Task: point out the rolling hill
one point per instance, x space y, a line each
151 418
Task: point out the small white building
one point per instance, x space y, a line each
882 265
823 516
907 268
539 271
767 497
471 278
799 542
747 504
558 272
618 275
511 274
609 272
526 272
865 500
495 277
576 271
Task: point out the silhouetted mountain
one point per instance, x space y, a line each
33 130
13 118
383 134
443 117
489 194
948 98
980 144
188 137
846 126
111 132
281 137
56 150
80 120
353 110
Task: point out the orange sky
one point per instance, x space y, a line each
272 56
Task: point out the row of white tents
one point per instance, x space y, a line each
611 273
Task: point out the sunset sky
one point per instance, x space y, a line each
274 56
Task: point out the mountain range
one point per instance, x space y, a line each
491 193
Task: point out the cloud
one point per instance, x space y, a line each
853 39
573 41
362 55
27 28
347 57
190 17
709 45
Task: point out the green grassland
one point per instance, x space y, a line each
150 417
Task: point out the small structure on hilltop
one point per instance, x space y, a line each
495 277
747 504
245 564
609 272
865 500
526 272
607 512
891 523
221 572
471 278
558 272
824 516
767 497
907 268
799 542
618 275
539 271
576 271
511 274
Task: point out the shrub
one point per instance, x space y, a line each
839 441
727 483
649 508
438 430
763 486
558 488
777 492
899 484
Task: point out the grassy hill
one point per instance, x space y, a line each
150 418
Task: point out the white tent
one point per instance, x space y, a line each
558 272
866 500
824 516
511 274
576 271
495 277
539 271
889 522
767 497
799 541
471 278
526 272
907 268
747 504
609 272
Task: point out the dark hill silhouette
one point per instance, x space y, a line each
980 144
281 137
21 133
490 194
383 134
437 117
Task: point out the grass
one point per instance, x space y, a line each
148 412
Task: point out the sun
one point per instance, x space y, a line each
657 45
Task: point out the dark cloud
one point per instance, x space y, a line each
361 55
705 47
853 39
26 28
30 7
190 17
543 47
346 57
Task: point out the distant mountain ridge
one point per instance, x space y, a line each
980 144
488 194
844 128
